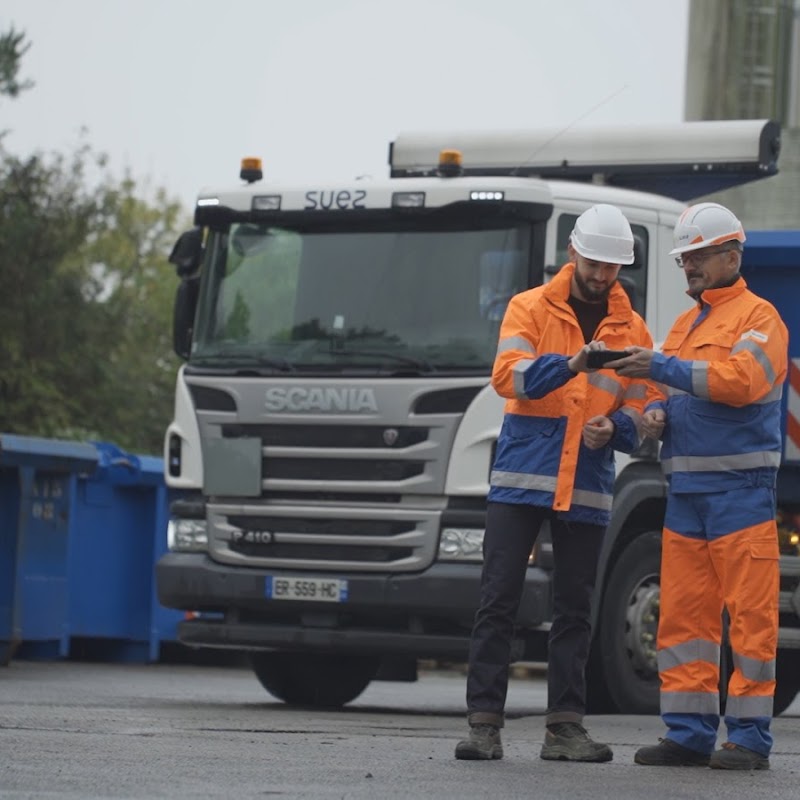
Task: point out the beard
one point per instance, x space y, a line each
591 295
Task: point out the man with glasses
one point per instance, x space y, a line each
722 369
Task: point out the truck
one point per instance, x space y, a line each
334 423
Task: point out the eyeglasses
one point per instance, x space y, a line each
699 257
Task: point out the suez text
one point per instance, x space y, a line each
344 198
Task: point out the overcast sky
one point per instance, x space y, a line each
178 91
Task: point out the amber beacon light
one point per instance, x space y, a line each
450 163
251 170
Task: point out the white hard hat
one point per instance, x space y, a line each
603 234
704 225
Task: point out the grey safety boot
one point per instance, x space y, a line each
734 756
483 742
669 754
569 741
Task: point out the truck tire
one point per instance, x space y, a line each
623 673
314 680
787 680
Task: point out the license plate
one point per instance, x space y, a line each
326 590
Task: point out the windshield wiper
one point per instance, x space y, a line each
235 361
417 363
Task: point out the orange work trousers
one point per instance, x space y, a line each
710 561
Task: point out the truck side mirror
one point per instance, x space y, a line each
187 253
183 316
629 286
639 252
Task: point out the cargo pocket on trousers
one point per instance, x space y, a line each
764 549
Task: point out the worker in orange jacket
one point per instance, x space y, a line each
722 365
555 462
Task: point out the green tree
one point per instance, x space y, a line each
12 47
131 281
85 294
85 315
44 216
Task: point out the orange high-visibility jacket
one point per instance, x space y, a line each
722 367
541 459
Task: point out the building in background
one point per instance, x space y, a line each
743 62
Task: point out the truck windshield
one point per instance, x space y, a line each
386 298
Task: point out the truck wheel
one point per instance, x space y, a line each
787 674
315 680
623 672
624 656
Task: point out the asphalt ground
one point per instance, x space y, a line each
71 730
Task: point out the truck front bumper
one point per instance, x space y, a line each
427 614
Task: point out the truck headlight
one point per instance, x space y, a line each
461 544
187 535
788 521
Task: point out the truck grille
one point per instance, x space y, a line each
324 537
340 469
789 603
324 436
324 527
322 457
342 488
327 552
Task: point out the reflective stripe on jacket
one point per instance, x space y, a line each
541 459
723 363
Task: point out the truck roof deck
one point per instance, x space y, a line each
772 249
682 160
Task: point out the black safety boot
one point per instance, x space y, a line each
670 754
569 741
734 756
483 742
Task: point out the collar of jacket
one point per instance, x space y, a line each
713 297
558 289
